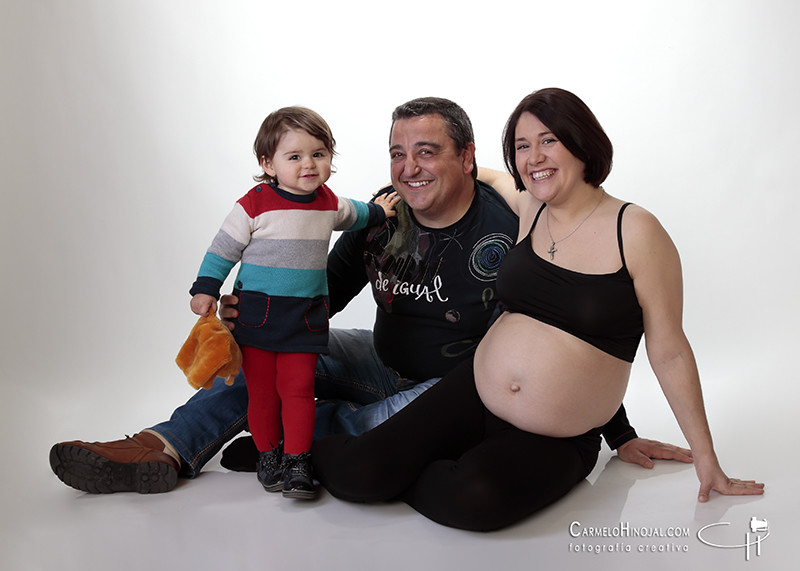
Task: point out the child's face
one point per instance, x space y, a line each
301 162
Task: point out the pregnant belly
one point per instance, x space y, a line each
545 381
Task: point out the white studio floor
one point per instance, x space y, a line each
127 137
223 520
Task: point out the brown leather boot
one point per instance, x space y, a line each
136 464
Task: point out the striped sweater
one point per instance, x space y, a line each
281 240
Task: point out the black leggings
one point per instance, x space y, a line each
453 461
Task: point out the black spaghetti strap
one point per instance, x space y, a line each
535 220
619 231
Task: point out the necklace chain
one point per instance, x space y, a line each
552 250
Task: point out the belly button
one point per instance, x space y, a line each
515 388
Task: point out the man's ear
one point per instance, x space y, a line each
468 158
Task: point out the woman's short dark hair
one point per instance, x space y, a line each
572 123
279 122
456 120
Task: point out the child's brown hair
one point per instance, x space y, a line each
280 121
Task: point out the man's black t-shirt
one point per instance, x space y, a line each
434 287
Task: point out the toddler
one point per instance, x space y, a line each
280 232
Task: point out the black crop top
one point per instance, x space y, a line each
600 309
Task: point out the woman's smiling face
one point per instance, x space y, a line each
546 166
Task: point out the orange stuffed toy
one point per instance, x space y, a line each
209 352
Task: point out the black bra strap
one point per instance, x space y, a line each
619 231
535 220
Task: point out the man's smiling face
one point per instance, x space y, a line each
430 174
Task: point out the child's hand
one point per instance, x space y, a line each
388 202
202 304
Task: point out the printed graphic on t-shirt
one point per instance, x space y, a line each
405 260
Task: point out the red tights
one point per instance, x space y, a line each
280 387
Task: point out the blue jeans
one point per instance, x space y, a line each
355 392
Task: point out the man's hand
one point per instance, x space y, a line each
228 311
642 451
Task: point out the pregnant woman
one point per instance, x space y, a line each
514 430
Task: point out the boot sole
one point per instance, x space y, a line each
277 487
89 472
300 494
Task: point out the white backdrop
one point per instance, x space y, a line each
127 131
